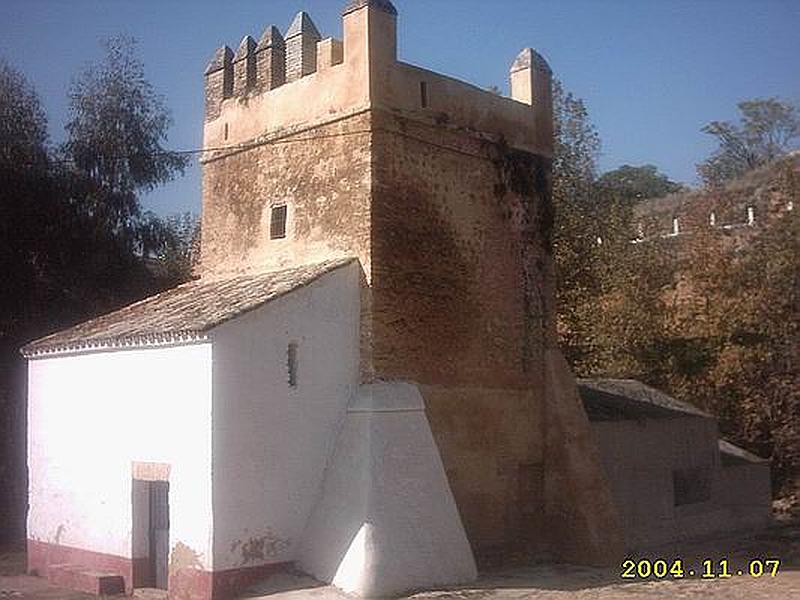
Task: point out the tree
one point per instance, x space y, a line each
117 126
26 199
72 238
576 148
173 243
748 319
768 128
612 314
23 124
638 183
24 213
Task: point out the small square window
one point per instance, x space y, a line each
691 486
277 224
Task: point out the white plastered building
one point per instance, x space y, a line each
210 435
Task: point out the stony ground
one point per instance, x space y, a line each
543 582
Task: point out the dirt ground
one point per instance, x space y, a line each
541 582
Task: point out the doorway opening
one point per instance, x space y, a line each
150 533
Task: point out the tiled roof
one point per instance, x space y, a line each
623 399
182 314
734 455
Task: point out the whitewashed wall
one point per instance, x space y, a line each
90 416
387 522
271 442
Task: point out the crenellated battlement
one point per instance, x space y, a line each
275 60
302 78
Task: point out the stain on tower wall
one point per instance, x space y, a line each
460 296
451 250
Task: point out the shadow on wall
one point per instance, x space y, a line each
13 444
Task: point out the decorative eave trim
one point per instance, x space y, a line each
144 341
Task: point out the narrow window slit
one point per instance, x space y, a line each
277 224
423 93
291 363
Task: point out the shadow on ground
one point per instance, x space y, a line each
544 581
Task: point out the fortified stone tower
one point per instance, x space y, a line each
324 148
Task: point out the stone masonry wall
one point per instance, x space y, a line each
460 287
321 174
492 445
460 266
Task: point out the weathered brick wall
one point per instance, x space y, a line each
218 82
322 174
270 67
301 56
244 67
492 446
217 85
461 284
461 295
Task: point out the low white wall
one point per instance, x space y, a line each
90 416
272 441
387 522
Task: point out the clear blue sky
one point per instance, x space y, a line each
652 72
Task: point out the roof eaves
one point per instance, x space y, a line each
335 265
150 340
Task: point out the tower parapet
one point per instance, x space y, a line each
532 83
362 72
330 52
244 66
219 81
383 5
301 47
270 60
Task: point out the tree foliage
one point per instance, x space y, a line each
748 320
606 304
709 318
577 146
638 183
73 239
25 188
173 242
23 124
26 196
768 128
116 131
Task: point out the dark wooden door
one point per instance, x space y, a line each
159 532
